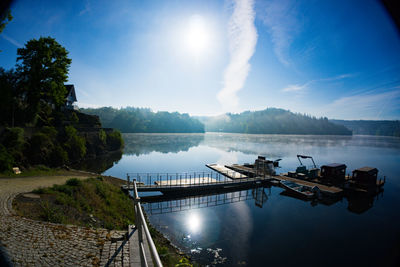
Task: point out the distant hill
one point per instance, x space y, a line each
369 127
144 120
272 121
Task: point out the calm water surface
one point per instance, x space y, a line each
265 227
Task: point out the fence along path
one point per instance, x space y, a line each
142 248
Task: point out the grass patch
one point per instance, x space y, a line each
94 202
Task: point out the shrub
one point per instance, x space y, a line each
75 145
6 160
41 147
103 136
114 140
50 132
74 182
14 138
58 156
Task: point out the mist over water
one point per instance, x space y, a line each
263 226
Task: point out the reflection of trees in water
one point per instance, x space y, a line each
101 163
273 146
284 145
138 144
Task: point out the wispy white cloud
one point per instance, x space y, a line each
295 87
86 9
11 40
242 36
365 106
281 17
302 87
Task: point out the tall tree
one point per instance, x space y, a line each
43 71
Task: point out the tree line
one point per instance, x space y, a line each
144 120
370 127
272 121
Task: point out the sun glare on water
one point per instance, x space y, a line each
197 35
193 222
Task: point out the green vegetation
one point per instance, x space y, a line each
368 127
94 202
143 120
36 128
272 121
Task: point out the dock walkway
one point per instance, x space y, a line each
226 171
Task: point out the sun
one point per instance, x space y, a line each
197 35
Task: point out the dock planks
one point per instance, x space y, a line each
226 171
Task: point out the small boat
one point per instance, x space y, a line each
301 190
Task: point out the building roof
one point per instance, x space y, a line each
366 169
335 165
71 91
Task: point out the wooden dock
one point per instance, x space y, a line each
241 169
226 171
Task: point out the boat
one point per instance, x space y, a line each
300 190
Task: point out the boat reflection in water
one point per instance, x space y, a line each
357 203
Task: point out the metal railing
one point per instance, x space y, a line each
190 179
140 226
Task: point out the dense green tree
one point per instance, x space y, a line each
143 120
8 97
272 121
43 70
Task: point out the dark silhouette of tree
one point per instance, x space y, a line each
272 121
43 70
143 120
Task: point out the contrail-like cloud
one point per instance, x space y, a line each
242 36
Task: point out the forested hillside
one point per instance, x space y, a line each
143 120
369 127
272 121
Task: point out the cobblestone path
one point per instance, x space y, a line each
35 243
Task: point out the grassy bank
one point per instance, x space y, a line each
93 202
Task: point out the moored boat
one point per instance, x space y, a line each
300 190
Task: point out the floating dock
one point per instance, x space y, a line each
226 171
174 186
329 190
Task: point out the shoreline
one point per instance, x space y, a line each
160 239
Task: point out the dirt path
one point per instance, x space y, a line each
34 243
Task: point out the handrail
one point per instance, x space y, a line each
141 223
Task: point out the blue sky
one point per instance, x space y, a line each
339 59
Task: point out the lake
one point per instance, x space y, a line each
264 226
